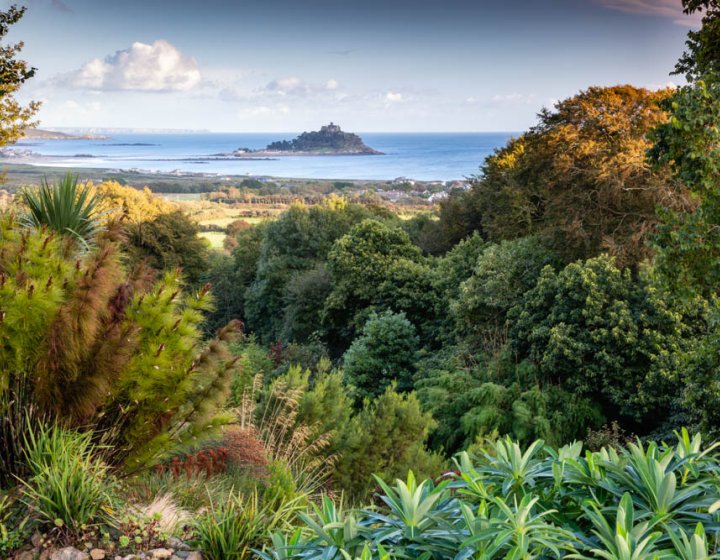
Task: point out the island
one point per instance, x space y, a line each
330 140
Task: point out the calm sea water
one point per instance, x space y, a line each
436 156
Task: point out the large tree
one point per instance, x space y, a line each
579 178
14 116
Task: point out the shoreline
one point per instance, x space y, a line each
21 174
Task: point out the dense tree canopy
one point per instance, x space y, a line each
579 177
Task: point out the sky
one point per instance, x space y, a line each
373 65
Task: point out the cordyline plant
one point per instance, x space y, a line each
66 207
641 502
87 345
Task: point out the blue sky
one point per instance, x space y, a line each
375 65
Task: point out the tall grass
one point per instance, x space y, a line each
232 529
68 489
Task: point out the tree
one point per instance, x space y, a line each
500 277
596 332
384 353
702 57
298 242
385 438
167 242
135 205
374 267
689 145
579 178
14 117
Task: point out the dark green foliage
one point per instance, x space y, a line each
385 438
168 242
230 277
375 266
703 46
295 244
500 277
689 243
227 289
477 397
641 502
384 353
304 300
597 333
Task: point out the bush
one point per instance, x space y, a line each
14 526
86 344
641 502
233 528
384 353
69 489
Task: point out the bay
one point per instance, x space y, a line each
419 156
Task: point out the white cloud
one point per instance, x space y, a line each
394 97
664 8
159 67
293 85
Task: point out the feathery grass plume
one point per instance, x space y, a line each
302 448
69 383
66 207
86 345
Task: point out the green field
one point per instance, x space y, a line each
215 238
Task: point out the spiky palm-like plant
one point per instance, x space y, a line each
66 207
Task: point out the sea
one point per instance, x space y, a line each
418 156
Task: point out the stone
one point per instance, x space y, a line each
177 544
69 553
161 553
26 555
194 556
97 554
36 539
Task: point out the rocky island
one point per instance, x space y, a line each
330 140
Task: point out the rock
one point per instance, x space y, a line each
194 556
161 553
26 555
69 553
177 544
97 554
36 539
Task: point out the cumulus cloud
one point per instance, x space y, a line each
159 67
394 97
664 8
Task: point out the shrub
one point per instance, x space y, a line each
84 343
641 501
69 489
384 352
230 530
65 207
14 526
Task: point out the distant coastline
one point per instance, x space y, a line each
41 134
